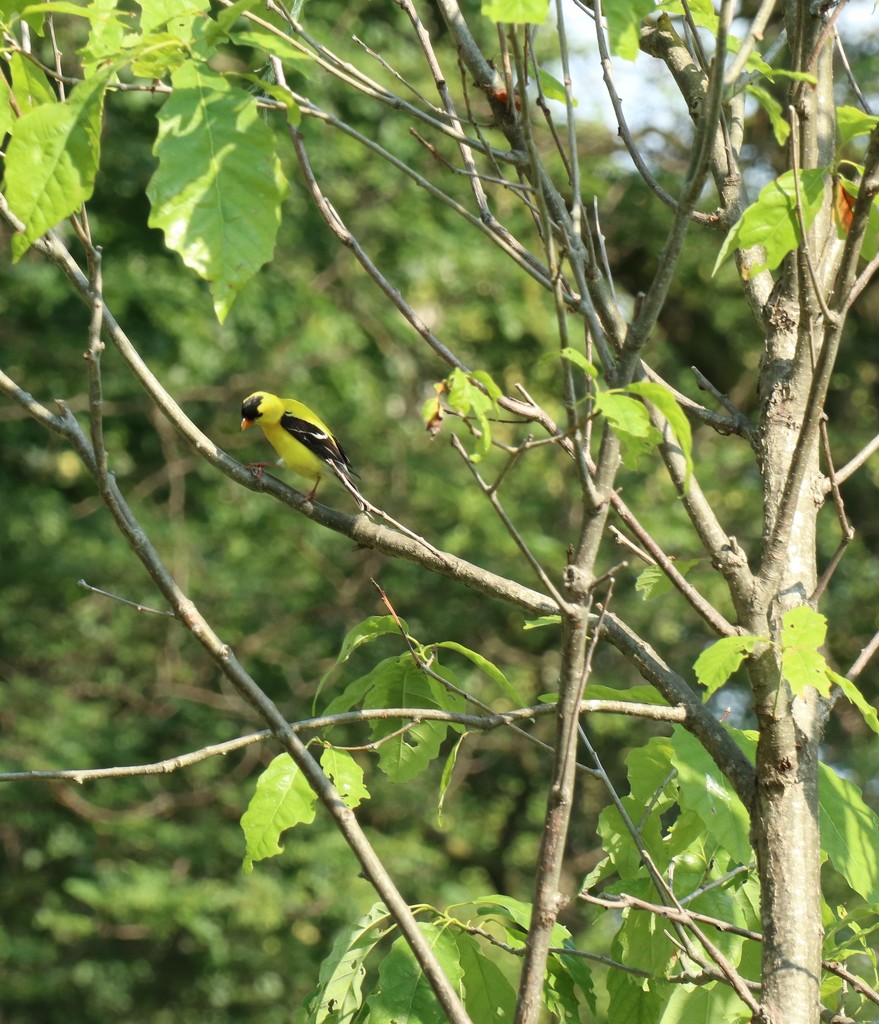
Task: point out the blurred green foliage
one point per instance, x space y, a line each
126 895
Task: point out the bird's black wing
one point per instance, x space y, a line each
318 441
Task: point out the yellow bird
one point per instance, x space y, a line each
304 442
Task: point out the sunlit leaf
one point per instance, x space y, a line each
718 662
772 221
52 159
519 12
218 189
283 798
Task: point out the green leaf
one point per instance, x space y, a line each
632 1002
259 38
282 799
704 789
718 1003
848 833
488 996
772 221
542 621
852 122
339 994
652 581
6 117
489 668
218 189
644 694
363 633
624 20
668 405
519 12
506 909
468 399
346 775
448 769
404 993
107 30
803 631
30 87
52 159
408 753
774 111
176 16
578 359
552 88
857 698
579 972
630 421
718 662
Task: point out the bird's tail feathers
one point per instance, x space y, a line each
344 475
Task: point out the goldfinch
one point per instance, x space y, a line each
301 438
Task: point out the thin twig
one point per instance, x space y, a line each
855 463
491 494
864 657
124 600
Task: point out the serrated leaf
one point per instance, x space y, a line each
488 995
703 788
857 698
718 662
772 221
553 89
408 753
218 189
282 800
364 632
668 405
339 994
518 12
652 581
506 908
486 666
52 159
848 833
580 973
774 111
346 775
624 20
852 122
404 993
803 631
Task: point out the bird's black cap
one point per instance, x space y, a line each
250 408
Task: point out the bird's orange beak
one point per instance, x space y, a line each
246 423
